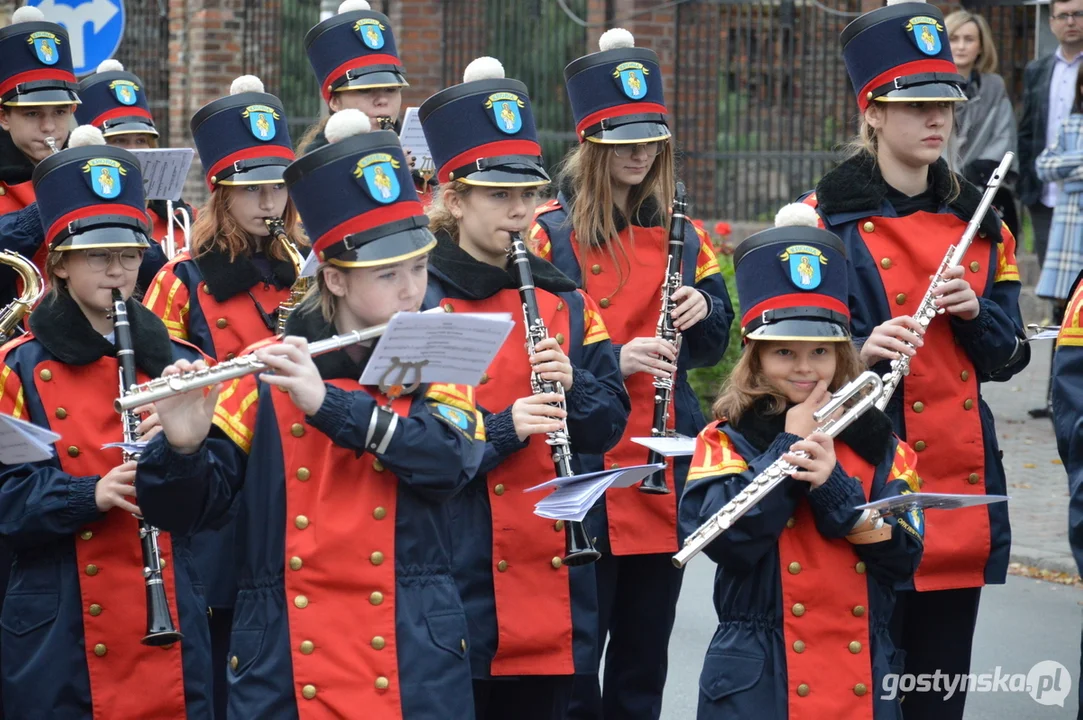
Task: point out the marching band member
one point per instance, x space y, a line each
347 606
222 296
607 230
533 618
803 589
897 207
72 619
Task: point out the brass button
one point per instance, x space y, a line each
382 683
860 689
300 602
301 522
91 570
604 303
868 226
295 563
308 647
918 406
855 647
858 610
499 489
378 643
803 688
100 650
968 404
95 610
308 692
885 263
377 465
3 192
596 269
303 474
376 597
919 445
234 663
502 566
205 289
973 479
558 526
799 646
73 451
448 307
46 374
975 266
61 413
86 534
860 568
161 562
798 609
484 378
794 568
379 513
964 375
900 298
557 563
297 430
790 523
614 466
560 338
560 306
222 323
376 558
230 356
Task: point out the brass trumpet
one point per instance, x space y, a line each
51 142
33 287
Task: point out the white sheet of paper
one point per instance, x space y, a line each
456 348
1045 335
164 171
312 263
677 446
929 501
575 496
412 136
21 441
134 448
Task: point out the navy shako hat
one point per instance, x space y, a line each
356 197
482 131
901 53
354 50
791 280
35 62
91 195
616 94
115 102
242 139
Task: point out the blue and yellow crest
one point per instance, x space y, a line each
377 175
805 262
913 520
44 45
125 91
632 77
504 112
104 177
371 32
261 121
925 32
453 415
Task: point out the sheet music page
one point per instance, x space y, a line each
22 442
677 446
413 137
164 171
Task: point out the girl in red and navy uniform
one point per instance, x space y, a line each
533 616
73 616
803 589
347 606
898 207
608 231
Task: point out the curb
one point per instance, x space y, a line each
1054 562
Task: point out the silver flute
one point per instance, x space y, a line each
856 397
927 309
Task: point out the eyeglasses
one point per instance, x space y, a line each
1065 17
98 260
651 148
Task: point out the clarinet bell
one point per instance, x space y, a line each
655 483
578 548
160 629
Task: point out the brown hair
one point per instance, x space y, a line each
987 60
746 384
587 168
1077 102
310 135
866 143
215 229
440 217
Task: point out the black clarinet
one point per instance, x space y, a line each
655 483
579 550
160 629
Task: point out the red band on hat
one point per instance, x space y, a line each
916 67
635 108
249 153
91 211
367 221
793 300
124 111
33 75
493 149
354 64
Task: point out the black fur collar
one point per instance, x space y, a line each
15 167
226 278
158 207
58 323
857 185
869 437
307 322
477 280
648 215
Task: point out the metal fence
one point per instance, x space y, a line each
145 52
297 86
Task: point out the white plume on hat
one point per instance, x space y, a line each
797 214
616 38
351 5
110 65
27 14
346 123
483 68
246 83
84 136
899 2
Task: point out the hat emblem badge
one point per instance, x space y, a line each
504 110
125 91
371 32
104 177
261 121
804 266
925 32
45 46
377 174
632 77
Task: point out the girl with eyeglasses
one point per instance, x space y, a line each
608 230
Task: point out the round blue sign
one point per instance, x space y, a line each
95 28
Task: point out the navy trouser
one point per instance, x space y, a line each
523 697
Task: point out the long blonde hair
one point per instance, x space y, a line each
586 167
987 61
215 229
